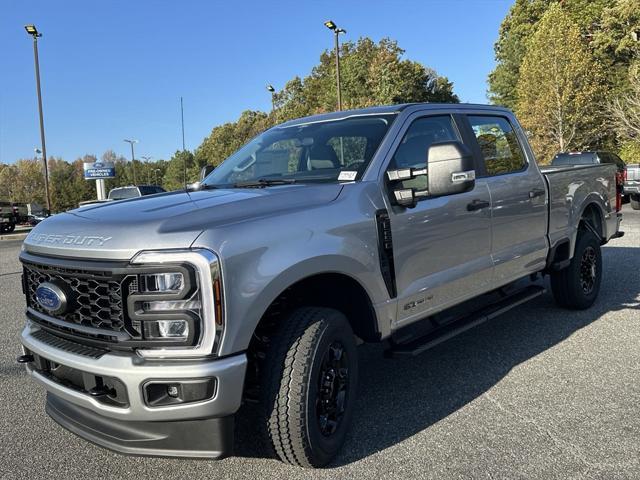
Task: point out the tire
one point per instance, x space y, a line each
577 286
10 228
311 343
635 202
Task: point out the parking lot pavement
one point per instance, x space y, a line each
537 393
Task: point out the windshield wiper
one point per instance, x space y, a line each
264 182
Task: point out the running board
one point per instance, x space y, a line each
473 319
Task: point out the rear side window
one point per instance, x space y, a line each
577 158
498 143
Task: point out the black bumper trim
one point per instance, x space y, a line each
200 438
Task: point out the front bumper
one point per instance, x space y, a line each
134 426
628 189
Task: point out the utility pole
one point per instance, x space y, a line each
31 30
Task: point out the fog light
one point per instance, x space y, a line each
172 391
159 329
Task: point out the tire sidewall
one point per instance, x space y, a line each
323 448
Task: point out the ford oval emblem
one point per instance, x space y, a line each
51 297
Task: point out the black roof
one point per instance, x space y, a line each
387 109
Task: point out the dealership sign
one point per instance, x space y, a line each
99 170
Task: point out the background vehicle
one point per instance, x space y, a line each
8 217
407 223
132 191
632 185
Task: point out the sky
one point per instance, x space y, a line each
115 69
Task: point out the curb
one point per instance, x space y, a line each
14 236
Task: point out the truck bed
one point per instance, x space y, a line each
570 189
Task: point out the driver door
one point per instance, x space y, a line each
442 246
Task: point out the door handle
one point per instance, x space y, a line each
537 192
477 205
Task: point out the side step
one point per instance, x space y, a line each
472 319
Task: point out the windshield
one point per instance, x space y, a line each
122 193
337 150
580 158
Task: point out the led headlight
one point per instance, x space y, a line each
161 282
175 303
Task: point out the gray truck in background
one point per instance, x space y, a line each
150 321
632 185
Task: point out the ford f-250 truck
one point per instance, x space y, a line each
151 320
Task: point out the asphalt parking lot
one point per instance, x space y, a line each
537 393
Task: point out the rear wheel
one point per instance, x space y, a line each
635 202
309 386
577 286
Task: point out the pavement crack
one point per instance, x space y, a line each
574 450
9 273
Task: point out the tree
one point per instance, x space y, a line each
515 31
174 177
615 47
518 28
625 113
560 88
371 74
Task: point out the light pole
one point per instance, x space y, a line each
133 159
155 172
273 96
146 159
31 30
336 32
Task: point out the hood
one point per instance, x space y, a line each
118 230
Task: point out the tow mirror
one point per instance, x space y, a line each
450 170
205 171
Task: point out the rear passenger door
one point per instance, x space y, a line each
442 247
518 199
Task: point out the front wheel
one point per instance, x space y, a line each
577 286
309 386
635 202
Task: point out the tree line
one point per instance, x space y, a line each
371 74
571 70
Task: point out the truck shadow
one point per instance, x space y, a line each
399 398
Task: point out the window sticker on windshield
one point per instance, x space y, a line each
347 175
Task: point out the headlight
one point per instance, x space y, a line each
175 303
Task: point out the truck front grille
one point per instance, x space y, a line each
95 296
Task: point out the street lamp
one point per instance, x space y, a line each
133 159
146 159
336 32
155 172
33 31
273 96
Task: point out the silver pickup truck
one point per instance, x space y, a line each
150 321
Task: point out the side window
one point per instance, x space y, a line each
412 151
498 143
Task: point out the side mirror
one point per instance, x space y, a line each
205 171
450 169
